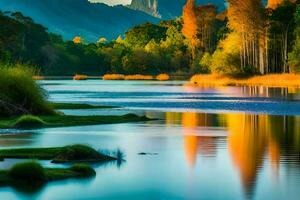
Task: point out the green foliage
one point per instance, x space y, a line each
226 59
225 63
29 172
141 35
29 121
294 56
19 93
73 153
206 61
68 120
83 169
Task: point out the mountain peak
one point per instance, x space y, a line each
148 6
165 9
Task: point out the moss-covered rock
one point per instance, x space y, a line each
28 171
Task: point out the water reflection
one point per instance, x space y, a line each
257 150
9 138
252 141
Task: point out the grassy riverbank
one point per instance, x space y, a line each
72 153
272 80
28 121
20 94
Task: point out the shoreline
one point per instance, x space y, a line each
271 80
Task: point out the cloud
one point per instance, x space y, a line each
112 2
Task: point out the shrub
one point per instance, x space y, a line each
113 77
29 121
78 77
28 171
163 77
77 153
206 61
20 94
83 169
226 59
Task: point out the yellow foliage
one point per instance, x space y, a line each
190 29
102 40
138 77
163 77
274 3
272 80
77 40
113 77
79 77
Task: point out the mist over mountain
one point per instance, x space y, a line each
79 17
167 9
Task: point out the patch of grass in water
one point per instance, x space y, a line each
83 169
69 120
72 153
80 153
68 106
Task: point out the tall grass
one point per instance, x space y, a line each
138 77
19 94
271 80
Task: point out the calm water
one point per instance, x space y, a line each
210 143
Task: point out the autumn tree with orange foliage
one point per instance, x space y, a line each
274 3
206 16
77 40
190 27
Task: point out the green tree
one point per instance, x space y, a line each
141 35
294 56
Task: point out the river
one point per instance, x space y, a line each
208 142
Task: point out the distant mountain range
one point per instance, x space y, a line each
71 18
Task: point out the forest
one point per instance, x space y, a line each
246 39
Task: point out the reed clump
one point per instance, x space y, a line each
20 95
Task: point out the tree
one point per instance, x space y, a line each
141 35
77 40
190 26
280 34
294 56
246 17
206 18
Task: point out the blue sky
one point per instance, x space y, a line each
113 2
